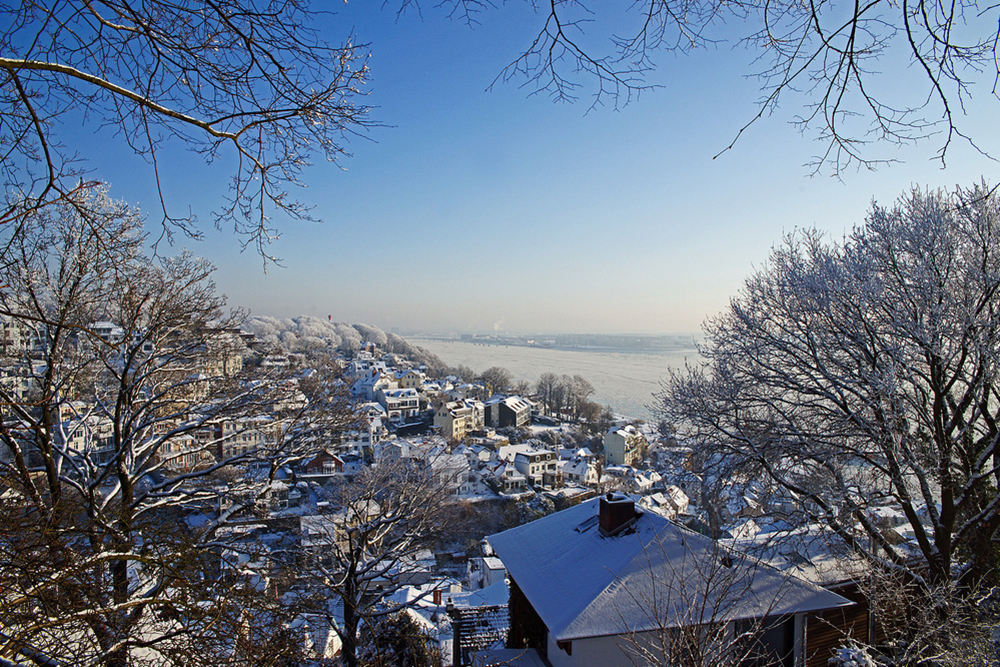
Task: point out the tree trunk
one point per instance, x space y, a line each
349 636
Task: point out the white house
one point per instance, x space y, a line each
592 582
623 446
540 467
399 403
452 471
508 478
484 571
670 502
578 471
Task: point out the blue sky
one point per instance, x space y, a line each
476 210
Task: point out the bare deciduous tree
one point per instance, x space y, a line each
867 73
944 626
120 378
862 376
360 554
496 380
581 391
698 606
547 388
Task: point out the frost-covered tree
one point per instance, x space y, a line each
115 403
547 388
864 374
495 379
372 334
359 555
350 339
398 641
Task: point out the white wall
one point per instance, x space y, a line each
610 651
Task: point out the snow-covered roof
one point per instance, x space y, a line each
508 452
516 403
492 563
810 551
583 584
402 393
576 467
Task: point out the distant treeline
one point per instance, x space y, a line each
305 334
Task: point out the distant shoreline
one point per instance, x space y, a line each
611 343
625 379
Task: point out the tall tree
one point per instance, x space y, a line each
581 391
547 386
115 399
254 82
496 380
862 375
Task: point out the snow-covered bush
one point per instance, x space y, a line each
852 654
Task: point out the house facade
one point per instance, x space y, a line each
453 419
410 379
623 446
511 411
540 467
399 403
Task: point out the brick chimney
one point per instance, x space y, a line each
617 514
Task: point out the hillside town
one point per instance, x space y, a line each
510 497
694 406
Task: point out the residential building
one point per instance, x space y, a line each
508 478
578 471
18 338
452 471
591 584
623 446
364 364
812 552
88 435
453 419
323 464
410 379
483 571
477 414
670 502
238 437
540 467
511 411
367 387
399 404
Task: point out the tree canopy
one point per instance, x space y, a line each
862 377
126 416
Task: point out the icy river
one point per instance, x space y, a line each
624 380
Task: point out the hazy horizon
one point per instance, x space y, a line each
525 333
